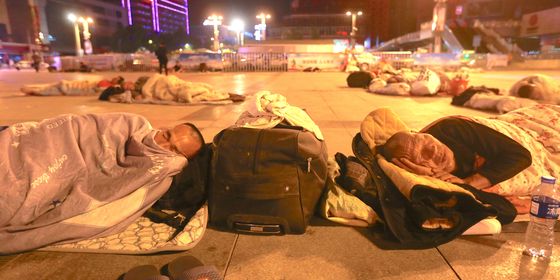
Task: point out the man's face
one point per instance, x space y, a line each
424 150
180 139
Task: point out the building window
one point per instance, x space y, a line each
119 14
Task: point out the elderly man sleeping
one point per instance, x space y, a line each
506 154
75 177
456 175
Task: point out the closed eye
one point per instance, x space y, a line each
428 152
167 135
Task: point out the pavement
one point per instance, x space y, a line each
327 250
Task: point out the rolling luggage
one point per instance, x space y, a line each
266 180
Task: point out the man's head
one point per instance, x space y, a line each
419 149
184 139
117 80
526 91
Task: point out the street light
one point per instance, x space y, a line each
238 26
87 35
263 17
72 18
438 23
354 28
215 21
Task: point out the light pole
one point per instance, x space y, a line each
72 18
238 26
215 21
88 48
263 17
438 23
354 28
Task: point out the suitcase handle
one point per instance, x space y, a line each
257 228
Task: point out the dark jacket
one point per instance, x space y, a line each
161 53
402 218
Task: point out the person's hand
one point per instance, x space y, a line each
410 166
447 177
424 170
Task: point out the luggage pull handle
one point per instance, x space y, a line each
309 165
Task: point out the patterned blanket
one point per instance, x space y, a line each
142 237
537 128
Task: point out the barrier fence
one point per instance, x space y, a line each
397 59
255 62
279 61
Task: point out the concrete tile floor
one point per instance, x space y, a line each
327 250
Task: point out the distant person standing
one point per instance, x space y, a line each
161 54
36 58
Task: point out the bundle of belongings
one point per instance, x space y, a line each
268 170
388 81
414 211
168 90
404 83
72 198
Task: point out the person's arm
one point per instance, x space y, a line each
478 181
503 157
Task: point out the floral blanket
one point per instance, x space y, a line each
537 128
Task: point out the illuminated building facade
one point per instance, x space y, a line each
162 16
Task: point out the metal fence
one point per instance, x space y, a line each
255 62
397 59
234 62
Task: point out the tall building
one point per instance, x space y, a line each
43 24
162 16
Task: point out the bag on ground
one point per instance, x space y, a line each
428 83
266 180
360 79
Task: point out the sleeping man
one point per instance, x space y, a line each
505 154
76 177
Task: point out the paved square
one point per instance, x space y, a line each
327 250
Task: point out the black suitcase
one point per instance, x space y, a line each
266 180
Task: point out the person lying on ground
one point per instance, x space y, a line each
75 177
506 154
162 89
72 87
491 99
542 88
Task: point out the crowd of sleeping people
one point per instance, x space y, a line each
455 149
528 91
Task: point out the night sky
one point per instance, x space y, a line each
230 9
